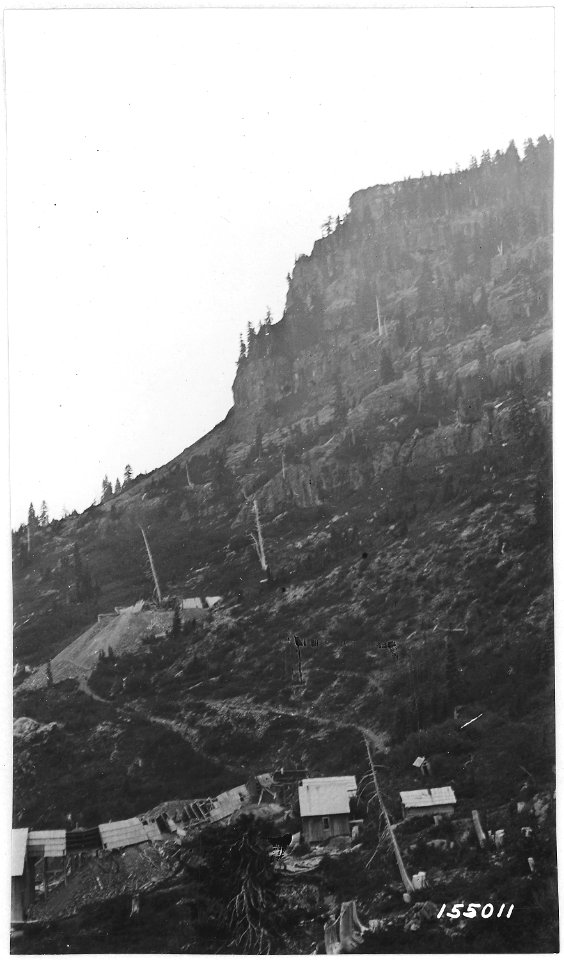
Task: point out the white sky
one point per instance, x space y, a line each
165 167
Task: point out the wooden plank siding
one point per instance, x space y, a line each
443 808
314 830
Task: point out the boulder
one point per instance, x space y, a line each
25 728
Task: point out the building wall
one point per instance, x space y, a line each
18 898
194 613
313 829
22 894
445 808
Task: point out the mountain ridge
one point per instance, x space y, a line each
394 430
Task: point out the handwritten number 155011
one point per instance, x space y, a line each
475 910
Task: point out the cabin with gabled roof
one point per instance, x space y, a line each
325 807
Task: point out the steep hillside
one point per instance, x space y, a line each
394 431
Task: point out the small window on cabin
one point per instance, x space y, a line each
325 821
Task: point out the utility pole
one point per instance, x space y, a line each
406 881
153 568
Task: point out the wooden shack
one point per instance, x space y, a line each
436 800
325 807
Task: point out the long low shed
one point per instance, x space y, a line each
435 800
127 833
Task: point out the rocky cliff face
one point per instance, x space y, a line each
443 267
430 297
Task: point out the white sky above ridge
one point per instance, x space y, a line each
165 167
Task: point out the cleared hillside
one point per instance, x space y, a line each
394 429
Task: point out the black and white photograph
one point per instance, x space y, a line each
279 581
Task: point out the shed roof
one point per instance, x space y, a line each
80 839
192 603
228 802
122 833
47 843
211 601
427 798
19 847
152 830
323 796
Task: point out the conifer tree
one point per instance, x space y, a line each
127 475
31 527
251 337
106 489
117 487
176 628
44 515
512 154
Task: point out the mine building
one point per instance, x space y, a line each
434 801
325 807
23 877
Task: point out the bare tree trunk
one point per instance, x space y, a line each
478 828
153 568
258 541
190 484
406 881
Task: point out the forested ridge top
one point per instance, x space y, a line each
437 233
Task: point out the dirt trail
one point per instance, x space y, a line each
181 729
186 731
